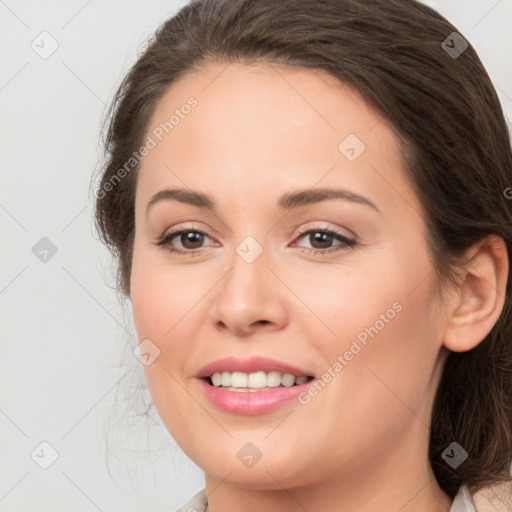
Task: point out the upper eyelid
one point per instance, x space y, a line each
313 224
346 243
301 233
301 230
324 227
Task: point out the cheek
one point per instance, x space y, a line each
344 303
168 308
396 344
161 302
385 369
386 322
161 296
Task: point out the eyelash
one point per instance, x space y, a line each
347 243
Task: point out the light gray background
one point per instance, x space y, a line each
63 330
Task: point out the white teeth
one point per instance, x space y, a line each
300 380
256 380
238 380
217 379
226 379
273 379
287 380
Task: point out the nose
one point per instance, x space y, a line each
250 298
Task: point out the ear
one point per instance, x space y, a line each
478 301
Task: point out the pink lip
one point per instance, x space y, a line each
254 364
250 402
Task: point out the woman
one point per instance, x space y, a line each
308 202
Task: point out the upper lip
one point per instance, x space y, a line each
253 364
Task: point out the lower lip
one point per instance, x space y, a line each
251 402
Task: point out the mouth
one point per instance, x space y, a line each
255 381
252 386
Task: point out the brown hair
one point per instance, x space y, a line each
455 142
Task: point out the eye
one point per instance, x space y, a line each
190 239
323 239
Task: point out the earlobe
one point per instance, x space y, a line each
479 300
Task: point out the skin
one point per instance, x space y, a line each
260 131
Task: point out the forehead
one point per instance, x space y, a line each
268 126
292 104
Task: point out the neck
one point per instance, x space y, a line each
429 497
387 480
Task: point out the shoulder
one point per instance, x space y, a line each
197 503
490 499
463 501
497 498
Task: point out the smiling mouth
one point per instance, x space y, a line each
256 381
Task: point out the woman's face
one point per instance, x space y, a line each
331 287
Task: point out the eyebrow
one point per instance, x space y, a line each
288 201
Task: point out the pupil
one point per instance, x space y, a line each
194 238
189 238
324 238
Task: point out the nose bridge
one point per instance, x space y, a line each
249 275
247 294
